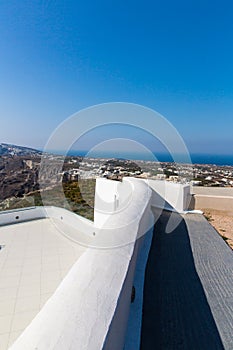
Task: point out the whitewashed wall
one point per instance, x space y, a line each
92 304
20 215
111 197
91 307
169 195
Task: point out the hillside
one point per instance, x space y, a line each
19 185
13 150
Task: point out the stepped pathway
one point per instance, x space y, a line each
188 292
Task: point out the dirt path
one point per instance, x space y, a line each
222 223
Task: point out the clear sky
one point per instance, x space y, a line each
57 57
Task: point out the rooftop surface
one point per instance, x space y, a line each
34 258
188 293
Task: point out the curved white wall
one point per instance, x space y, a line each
111 197
91 307
92 304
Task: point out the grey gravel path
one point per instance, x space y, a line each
188 293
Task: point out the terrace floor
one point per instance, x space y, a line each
188 292
34 259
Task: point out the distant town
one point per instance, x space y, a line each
20 167
23 178
195 174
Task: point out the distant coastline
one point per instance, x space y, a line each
196 158
222 160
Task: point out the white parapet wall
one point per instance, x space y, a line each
111 198
219 199
169 195
58 215
91 307
19 215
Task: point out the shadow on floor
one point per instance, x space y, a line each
176 313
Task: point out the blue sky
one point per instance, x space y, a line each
58 57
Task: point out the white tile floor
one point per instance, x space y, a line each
35 259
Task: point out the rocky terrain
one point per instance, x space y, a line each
19 167
19 184
18 176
